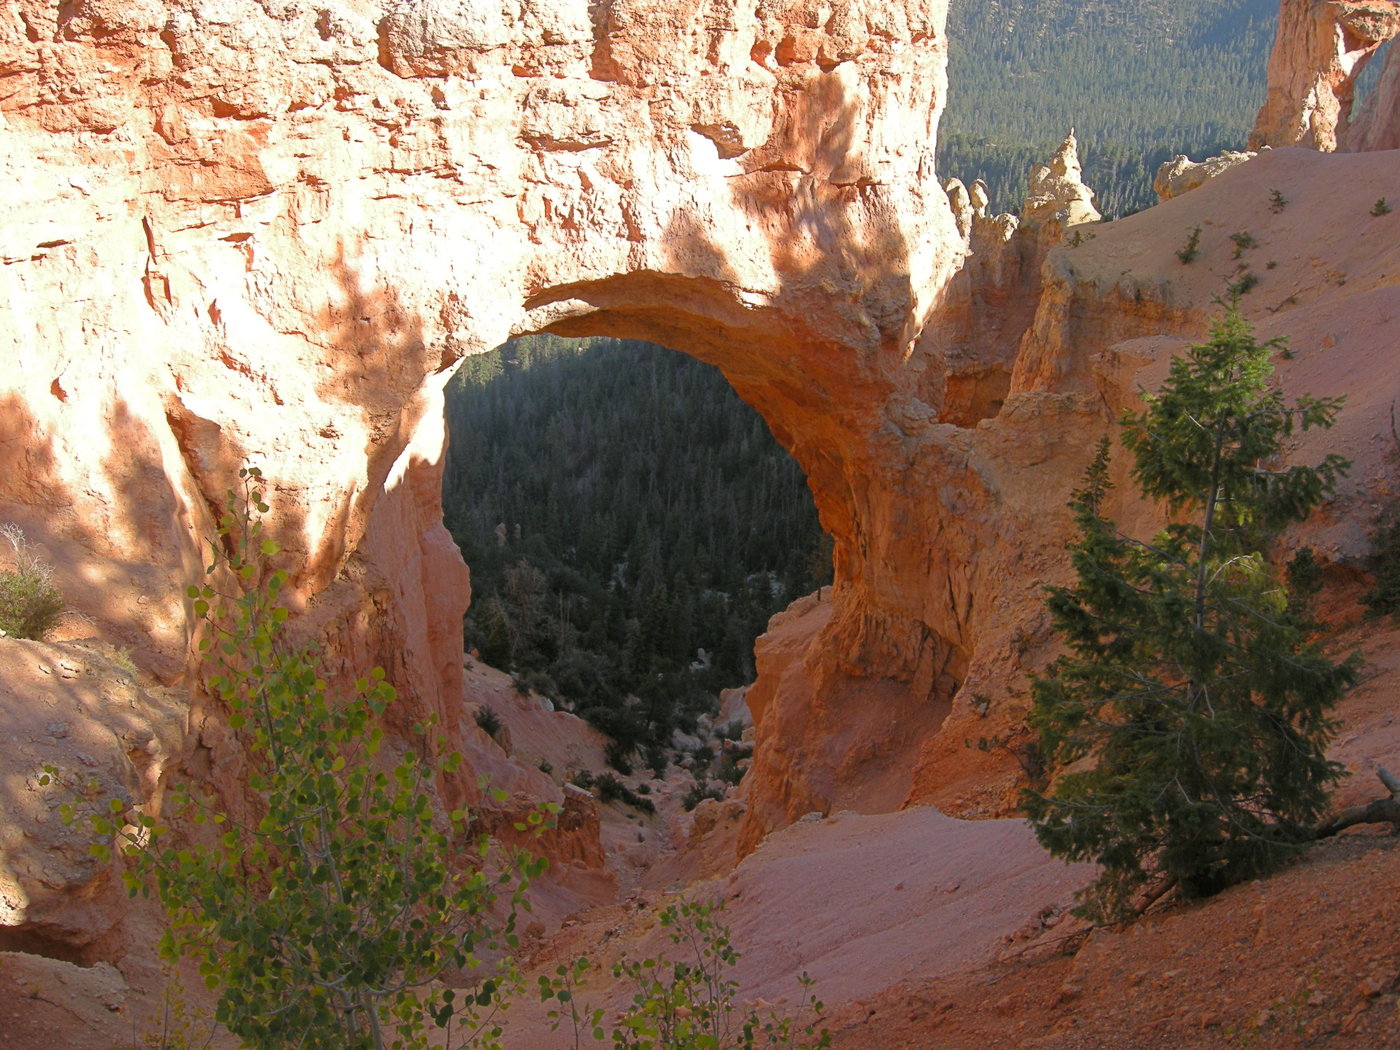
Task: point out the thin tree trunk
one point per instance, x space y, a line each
1381 811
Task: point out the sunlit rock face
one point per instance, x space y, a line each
1375 123
246 232
1320 50
1182 175
263 233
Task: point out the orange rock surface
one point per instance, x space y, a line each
1320 50
251 232
242 233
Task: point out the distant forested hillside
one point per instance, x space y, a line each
1138 80
621 510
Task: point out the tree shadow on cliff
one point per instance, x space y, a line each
104 545
78 702
836 215
375 361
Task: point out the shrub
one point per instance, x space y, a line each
1384 597
732 730
685 999
1305 578
30 605
727 769
488 720
619 755
327 921
1247 280
656 759
698 793
1381 207
527 682
582 778
610 789
1187 252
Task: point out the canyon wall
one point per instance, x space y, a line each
1375 123
1320 49
263 231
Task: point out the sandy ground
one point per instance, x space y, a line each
923 931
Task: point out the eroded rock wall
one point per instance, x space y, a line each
264 232
247 231
1319 51
1375 124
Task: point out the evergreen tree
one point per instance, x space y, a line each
1191 687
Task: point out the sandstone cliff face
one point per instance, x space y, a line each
256 231
1320 49
1375 124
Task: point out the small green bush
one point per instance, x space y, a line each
610 789
1247 280
332 919
1381 207
527 682
656 759
698 793
685 998
618 754
1384 597
1187 252
30 605
488 720
727 770
1305 579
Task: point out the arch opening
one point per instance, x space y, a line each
631 527
862 679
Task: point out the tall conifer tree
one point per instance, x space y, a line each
1191 690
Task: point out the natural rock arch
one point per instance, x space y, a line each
256 231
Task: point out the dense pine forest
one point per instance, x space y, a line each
1138 80
630 525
